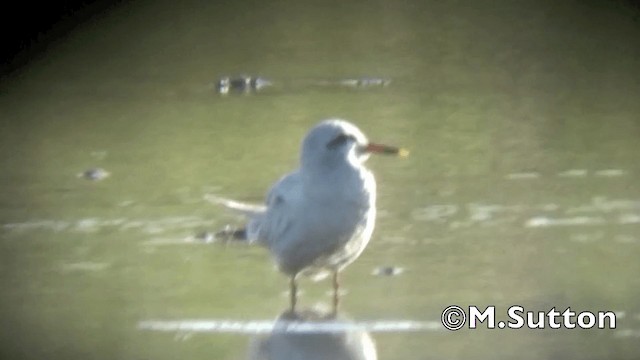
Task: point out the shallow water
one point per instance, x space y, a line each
522 186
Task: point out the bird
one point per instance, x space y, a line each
319 218
241 84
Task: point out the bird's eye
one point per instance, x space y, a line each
338 141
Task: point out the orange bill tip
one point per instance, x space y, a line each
385 149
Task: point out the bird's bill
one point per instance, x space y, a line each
385 149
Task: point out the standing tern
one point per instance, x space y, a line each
319 217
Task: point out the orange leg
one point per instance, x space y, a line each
336 288
293 293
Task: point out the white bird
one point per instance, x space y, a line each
319 217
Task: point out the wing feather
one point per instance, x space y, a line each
282 204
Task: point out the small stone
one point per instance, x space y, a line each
94 174
388 271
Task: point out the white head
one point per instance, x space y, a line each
335 142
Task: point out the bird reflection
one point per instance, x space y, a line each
313 335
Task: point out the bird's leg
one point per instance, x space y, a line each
336 287
293 290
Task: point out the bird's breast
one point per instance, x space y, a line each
347 205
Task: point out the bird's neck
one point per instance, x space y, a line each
341 179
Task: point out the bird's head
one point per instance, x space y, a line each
334 142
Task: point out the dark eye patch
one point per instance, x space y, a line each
339 140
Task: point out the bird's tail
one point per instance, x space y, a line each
249 210
253 212
229 233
